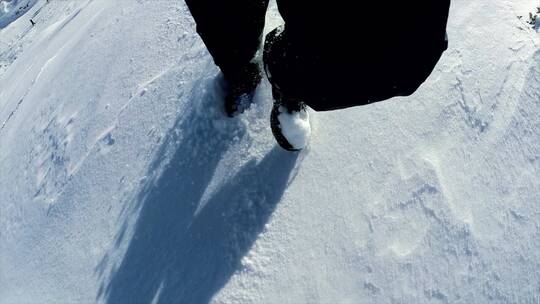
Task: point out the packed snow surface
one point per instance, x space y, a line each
122 181
295 127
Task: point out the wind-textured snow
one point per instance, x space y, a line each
122 181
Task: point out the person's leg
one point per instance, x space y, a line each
231 30
289 119
333 56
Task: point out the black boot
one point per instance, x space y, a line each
289 122
241 88
289 119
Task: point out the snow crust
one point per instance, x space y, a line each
122 181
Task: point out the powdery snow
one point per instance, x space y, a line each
122 181
295 127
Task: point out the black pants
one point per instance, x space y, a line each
330 54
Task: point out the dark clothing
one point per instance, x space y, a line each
231 30
330 55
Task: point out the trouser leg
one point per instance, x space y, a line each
231 30
329 58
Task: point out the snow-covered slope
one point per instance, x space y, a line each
10 10
122 182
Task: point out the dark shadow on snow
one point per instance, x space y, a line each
178 254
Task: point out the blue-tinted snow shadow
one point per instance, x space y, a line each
178 254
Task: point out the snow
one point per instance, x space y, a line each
10 10
295 127
122 181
